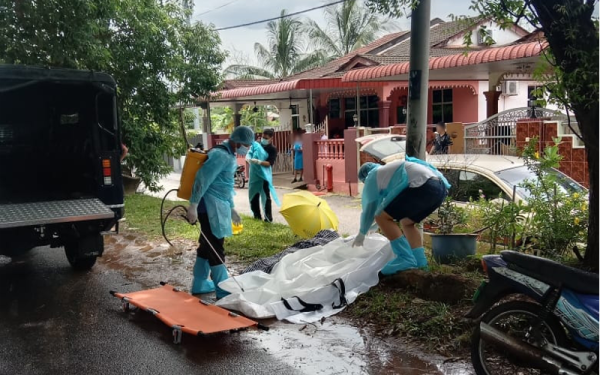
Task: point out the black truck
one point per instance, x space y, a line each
60 171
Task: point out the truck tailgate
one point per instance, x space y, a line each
52 212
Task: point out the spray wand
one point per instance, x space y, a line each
163 221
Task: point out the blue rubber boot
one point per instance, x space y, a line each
219 273
405 260
419 254
201 284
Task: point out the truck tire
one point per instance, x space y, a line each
82 253
79 263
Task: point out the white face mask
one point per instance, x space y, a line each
242 150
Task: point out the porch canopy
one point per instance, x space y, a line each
285 90
475 66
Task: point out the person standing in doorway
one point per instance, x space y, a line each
298 161
442 140
262 157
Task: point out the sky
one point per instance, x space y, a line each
223 13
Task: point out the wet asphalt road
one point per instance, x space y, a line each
55 321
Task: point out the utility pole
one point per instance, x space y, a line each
418 84
188 5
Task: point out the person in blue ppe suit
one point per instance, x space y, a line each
261 157
211 203
405 192
298 161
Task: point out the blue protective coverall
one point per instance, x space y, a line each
374 200
259 174
214 187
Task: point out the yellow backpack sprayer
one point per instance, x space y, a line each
194 159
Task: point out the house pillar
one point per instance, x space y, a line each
491 98
492 95
384 113
350 154
206 126
237 115
310 152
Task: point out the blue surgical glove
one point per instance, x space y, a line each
359 240
235 217
254 161
192 213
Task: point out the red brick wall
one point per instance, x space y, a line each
574 162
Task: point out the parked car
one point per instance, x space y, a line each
494 175
60 171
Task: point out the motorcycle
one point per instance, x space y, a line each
240 176
547 325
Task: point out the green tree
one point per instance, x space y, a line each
221 118
283 56
349 26
158 59
572 35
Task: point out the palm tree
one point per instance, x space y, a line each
349 26
285 54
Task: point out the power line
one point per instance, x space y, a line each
217 8
281 17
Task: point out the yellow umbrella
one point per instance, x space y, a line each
307 214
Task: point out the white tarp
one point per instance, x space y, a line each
308 274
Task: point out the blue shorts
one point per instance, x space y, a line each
418 203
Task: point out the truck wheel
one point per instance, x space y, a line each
78 252
79 263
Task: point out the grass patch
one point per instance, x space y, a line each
437 326
258 239
399 309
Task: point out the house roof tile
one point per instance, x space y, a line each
511 52
330 69
439 33
236 83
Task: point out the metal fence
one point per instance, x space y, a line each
497 135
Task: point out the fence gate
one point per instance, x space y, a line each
497 135
283 140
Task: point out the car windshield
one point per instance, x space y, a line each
385 147
517 176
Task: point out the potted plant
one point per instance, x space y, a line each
130 182
452 239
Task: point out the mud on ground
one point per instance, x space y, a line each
346 343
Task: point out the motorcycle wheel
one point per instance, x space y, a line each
240 182
514 318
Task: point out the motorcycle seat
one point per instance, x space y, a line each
553 273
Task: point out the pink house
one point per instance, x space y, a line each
369 88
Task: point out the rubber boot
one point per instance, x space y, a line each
201 284
219 273
404 260
419 254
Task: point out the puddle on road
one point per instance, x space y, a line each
336 347
331 347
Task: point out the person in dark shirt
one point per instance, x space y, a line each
442 140
259 186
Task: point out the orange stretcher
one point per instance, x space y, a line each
184 312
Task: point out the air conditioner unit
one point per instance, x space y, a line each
482 36
510 88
